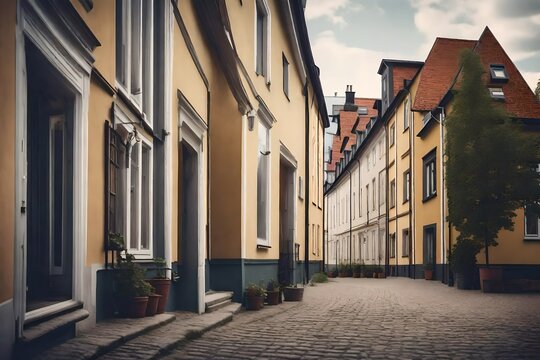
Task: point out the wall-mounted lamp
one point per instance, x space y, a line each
251 119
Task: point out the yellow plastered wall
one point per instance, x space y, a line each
7 147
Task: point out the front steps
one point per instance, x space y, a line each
215 300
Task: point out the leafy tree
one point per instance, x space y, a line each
537 91
490 161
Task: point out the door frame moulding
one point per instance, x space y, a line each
288 158
192 130
54 40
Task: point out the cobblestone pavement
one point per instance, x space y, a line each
380 318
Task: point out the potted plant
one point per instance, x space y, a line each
462 260
254 297
357 270
344 270
293 293
116 242
161 284
131 289
428 271
367 271
380 272
273 293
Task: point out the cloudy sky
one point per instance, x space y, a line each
350 37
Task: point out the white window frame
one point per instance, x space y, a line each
142 101
125 122
392 134
392 193
263 241
406 115
262 5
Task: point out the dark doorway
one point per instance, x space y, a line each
189 235
49 254
286 223
430 245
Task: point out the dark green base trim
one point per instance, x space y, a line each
104 294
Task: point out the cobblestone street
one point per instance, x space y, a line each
370 318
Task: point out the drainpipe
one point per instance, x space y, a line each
306 172
360 242
387 237
395 193
350 218
323 210
208 181
411 193
443 249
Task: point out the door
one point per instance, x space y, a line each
49 186
429 245
286 265
189 234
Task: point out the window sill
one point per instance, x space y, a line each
533 239
426 199
404 256
263 247
405 130
405 201
392 257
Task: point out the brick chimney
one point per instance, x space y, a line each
349 99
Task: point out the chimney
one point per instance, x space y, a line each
349 99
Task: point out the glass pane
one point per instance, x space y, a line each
531 224
145 199
57 181
134 197
262 183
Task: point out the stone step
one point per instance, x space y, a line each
217 306
105 337
37 331
216 297
159 342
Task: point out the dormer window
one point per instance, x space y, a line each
498 73
362 110
496 93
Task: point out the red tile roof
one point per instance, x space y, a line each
439 71
519 98
401 73
347 121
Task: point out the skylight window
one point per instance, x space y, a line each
496 93
498 73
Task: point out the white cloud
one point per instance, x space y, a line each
343 65
531 78
467 19
327 8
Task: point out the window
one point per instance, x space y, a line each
135 52
354 205
362 110
532 224
360 203
406 115
285 76
385 90
263 184
382 188
496 93
498 73
430 183
393 193
313 240
373 248
367 199
373 196
381 150
406 186
392 134
262 38
405 243
393 245
139 183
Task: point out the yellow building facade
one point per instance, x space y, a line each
135 117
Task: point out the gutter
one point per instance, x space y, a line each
350 218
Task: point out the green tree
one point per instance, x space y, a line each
490 161
537 91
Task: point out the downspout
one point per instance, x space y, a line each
360 241
306 172
412 216
350 218
387 240
443 249
323 210
395 194
208 180
411 195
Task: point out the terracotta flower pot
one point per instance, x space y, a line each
254 302
356 274
272 297
133 307
490 279
161 287
382 276
428 274
293 294
153 301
